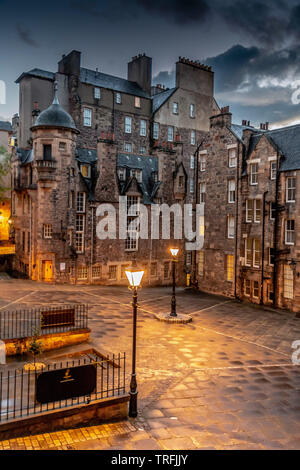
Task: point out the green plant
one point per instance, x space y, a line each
35 346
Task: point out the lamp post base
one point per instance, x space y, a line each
169 318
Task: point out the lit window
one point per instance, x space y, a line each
193 137
96 272
87 117
127 147
230 226
85 171
291 189
192 162
47 231
230 267
201 263
143 128
170 133
231 191
232 158
79 234
202 192
288 282
97 93
192 110
155 130
82 273
112 273
80 207
118 98
273 170
71 199
254 173
128 121
289 232
137 102
175 108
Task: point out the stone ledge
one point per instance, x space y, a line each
166 317
114 408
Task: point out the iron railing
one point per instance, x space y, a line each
24 323
18 397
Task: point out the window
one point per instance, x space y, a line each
229 267
175 108
155 130
288 282
192 110
252 252
142 150
128 121
138 174
193 137
80 202
97 93
230 226
289 232
191 185
202 191
143 128
154 176
270 292
62 146
72 172
122 174
118 98
231 191
47 231
249 210
254 173
137 102
255 289
248 252
96 272
188 258
256 253
112 273
180 181
87 117
291 189
132 206
153 270
79 235
247 287
272 211
271 256
273 170
47 152
201 263
232 158
71 200
257 210
192 162
170 133
166 270
131 242
85 171
82 273
202 160
127 147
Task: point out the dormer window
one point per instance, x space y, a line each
137 174
85 171
122 174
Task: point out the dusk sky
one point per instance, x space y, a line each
254 46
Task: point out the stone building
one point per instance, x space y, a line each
248 180
101 138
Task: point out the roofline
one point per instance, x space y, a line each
167 99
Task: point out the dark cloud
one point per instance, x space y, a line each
25 35
181 12
165 78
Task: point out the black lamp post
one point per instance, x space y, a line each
134 276
174 253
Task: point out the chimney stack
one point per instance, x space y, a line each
140 71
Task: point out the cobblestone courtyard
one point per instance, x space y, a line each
224 381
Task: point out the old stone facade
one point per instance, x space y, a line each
119 138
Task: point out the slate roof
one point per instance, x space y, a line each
159 99
25 156
39 73
147 164
86 155
55 116
237 129
5 126
287 141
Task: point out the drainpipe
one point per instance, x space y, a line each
236 219
275 234
263 249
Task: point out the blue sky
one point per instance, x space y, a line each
254 47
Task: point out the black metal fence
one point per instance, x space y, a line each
23 323
19 392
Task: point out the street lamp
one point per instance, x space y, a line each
174 253
134 276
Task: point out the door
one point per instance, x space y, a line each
47 271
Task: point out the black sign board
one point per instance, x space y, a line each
61 384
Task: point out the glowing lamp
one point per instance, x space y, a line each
174 251
134 276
